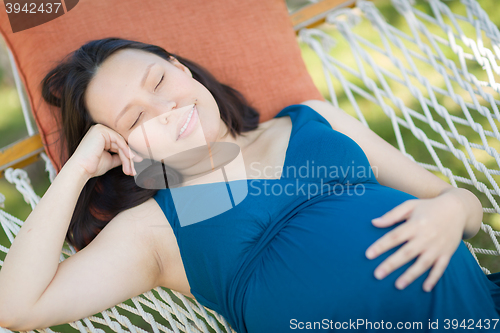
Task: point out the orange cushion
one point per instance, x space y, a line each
248 44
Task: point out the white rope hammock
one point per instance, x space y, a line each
459 84
439 41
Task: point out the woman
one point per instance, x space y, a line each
280 255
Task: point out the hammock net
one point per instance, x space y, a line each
433 78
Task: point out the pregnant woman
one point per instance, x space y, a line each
294 248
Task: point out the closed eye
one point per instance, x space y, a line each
140 114
159 82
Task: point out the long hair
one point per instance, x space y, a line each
103 197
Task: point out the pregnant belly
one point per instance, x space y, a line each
316 268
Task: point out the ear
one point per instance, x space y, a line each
182 67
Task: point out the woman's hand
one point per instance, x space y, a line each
432 231
93 155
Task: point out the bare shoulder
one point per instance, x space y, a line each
320 106
331 113
144 215
275 126
327 110
142 219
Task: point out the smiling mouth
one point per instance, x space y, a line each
185 122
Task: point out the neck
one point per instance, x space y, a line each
217 156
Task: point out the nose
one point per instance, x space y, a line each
165 111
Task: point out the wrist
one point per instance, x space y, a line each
469 205
75 171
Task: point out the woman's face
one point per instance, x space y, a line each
148 100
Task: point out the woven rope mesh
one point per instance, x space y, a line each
434 82
428 87
158 310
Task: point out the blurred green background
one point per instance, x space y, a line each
12 125
381 124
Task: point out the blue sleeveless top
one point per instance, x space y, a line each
290 254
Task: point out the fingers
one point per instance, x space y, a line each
137 158
389 240
130 161
126 155
420 266
135 155
427 235
397 259
128 168
122 144
436 272
398 213
133 166
114 142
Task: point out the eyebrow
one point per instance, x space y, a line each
143 81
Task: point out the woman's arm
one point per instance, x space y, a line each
118 264
37 292
434 222
393 169
33 257
32 262
471 207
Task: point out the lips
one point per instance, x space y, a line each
184 118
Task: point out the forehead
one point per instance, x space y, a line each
127 58
117 78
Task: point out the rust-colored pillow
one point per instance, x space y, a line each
248 44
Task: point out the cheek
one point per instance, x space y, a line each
178 87
149 140
211 124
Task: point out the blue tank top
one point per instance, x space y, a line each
291 253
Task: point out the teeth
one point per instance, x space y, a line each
183 128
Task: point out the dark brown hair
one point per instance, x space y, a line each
105 196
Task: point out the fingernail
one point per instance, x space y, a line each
370 253
401 284
379 273
378 219
427 287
